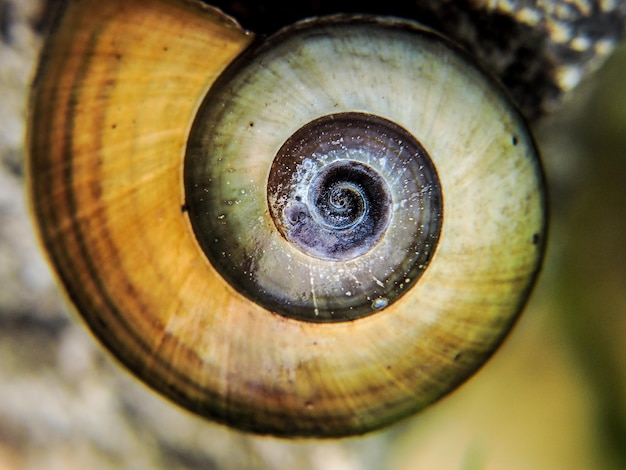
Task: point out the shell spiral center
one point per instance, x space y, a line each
338 210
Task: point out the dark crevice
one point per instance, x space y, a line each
523 57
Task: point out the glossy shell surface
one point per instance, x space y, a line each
114 102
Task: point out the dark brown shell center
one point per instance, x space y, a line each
323 201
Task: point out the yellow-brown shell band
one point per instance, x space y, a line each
104 74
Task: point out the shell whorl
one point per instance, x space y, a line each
255 274
347 193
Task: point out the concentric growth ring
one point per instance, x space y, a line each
356 201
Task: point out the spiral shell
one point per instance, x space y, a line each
313 235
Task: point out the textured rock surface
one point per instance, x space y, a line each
540 49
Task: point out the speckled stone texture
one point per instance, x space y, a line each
540 49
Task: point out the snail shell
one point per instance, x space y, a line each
315 235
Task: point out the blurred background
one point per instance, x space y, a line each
553 397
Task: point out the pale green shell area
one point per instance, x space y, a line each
482 153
